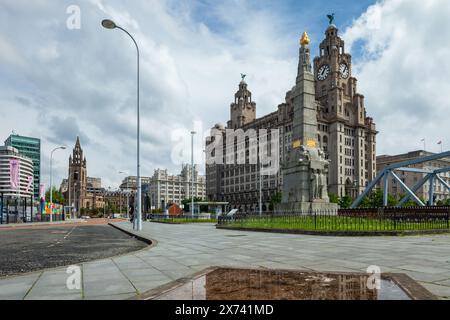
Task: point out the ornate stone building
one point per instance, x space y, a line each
345 133
168 189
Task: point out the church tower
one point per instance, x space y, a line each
243 109
77 177
347 134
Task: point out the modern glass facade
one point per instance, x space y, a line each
29 147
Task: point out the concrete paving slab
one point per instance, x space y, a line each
15 288
183 250
441 291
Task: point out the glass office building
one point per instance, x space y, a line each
31 148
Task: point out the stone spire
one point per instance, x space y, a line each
305 168
305 113
304 61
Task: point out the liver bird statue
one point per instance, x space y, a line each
330 17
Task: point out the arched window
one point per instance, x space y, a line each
325 139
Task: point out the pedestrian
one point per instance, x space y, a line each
131 213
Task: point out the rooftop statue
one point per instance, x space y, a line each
330 18
305 39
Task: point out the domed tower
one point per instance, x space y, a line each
243 109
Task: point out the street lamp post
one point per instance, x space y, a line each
192 173
104 204
123 172
51 182
72 216
109 24
260 189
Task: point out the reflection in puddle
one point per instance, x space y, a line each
246 284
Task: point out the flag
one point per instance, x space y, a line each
30 182
42 191
440 142
14 174
423 140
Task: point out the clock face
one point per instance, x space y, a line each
343 68
323 72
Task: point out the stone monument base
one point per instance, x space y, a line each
305 207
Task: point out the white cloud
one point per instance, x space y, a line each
87 84
403 72
8 53
49 52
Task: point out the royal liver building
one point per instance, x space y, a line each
345 133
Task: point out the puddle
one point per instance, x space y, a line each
252 284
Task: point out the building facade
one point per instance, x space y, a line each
129 183
411 178
167 189
26 170
31 148
346 134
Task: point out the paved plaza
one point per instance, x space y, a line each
182 250
36 248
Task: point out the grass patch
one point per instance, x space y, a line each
183 221
336 223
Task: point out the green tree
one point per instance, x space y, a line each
276 198
409 203
57 197
376 199
365 202
345 202
333 198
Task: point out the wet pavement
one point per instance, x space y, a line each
184 250
30 249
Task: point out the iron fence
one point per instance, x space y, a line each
359 220
182 218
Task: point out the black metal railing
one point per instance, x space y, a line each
182 218
358 220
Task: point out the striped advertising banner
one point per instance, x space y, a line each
14 174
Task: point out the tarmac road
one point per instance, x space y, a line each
32 249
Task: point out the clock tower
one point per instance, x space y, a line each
345 132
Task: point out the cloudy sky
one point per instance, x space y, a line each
58 82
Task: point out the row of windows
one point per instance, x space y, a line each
323 127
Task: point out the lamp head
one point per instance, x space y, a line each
108 24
